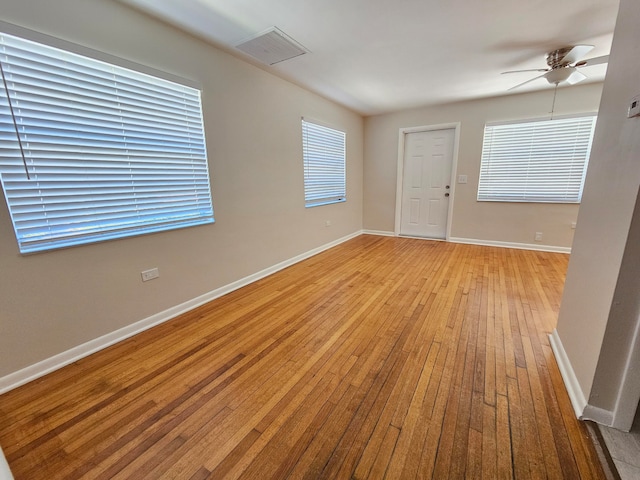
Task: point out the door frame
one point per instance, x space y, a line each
402 134
628 399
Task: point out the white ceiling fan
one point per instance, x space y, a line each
563 65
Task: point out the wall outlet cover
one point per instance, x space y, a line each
149 274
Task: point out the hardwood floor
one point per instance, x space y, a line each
381 358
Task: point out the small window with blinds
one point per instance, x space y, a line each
91 151
323 153
536 161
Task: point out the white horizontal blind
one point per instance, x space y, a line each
540 161
110 152
323 151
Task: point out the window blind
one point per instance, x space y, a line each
323 152
109 152
538 161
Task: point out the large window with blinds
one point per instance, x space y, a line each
324 156
536 161
91 151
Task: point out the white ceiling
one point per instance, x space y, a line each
378 56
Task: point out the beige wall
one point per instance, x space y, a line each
51 302
488 221
620 338
604 252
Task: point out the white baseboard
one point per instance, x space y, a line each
381 233
576 395
519 246
484 243
37 370
384 233
5 473
598 415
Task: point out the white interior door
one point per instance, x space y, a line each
426 185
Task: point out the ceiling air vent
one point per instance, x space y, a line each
272 46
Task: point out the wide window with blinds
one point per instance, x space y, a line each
323 152
91 151
536 161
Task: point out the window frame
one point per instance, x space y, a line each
194 137
328 161
528 179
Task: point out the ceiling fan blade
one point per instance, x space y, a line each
575 77
530 70
576 53
593 61
528 81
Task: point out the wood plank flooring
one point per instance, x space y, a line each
380 358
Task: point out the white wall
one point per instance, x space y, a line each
592 302
52 302
485 221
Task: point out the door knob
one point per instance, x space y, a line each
447 187
446 194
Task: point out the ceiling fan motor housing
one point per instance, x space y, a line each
556 57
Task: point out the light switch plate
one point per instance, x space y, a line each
634 107
462 179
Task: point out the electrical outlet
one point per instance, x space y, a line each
573 225
150 274
538 236
327 223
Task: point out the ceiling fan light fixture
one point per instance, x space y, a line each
568 75
557 75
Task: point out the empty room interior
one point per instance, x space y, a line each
277 239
